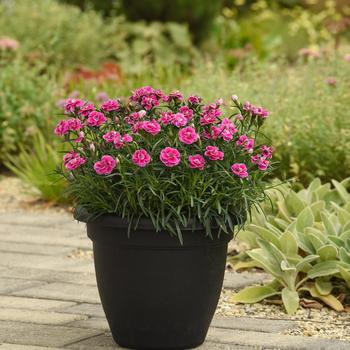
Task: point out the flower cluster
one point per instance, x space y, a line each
166 157
153 127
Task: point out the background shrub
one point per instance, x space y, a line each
27 103
198 14
54 33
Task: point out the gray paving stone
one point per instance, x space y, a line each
63 291
42 335
93 322
59 221
95 310
39 317
49 275
273 341
235 280
9 285
7 301
217 346
103 341
60 263
28 248
36 236
25 347
253 324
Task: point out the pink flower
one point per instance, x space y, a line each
206 135
110 136
72 160
134 117
96 119
263 164
266 151
255 159
105 166
141 158
101 96
151 127
225 130
176 96
187 112
332 81
196 162
188 135
147 97
8 44
166 118
72 105
80 137
347 57
194 100
118 141
110 105
213 153
62 128
86 110
127 138
179 120
74 124
210 114
246 143
240 170
239 116
169 156
234 98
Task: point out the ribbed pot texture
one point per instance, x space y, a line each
157 293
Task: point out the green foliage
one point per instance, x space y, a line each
56 34
198 14
303 242
267 30
36 166
27 103
63 36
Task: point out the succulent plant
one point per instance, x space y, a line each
303 242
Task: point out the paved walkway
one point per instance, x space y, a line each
49 299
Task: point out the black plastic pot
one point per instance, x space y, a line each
156 294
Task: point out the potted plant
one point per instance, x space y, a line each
161 181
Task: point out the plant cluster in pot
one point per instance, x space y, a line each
161 182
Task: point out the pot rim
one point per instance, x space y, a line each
112 220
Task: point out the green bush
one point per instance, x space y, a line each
304 243
63 36
55 33
36 166
198 14
27 104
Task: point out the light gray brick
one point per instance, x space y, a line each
42 335
63 291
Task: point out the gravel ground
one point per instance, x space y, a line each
326 323
323 322
16 196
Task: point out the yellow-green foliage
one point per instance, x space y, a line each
304 243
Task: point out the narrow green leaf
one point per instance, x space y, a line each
251 295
